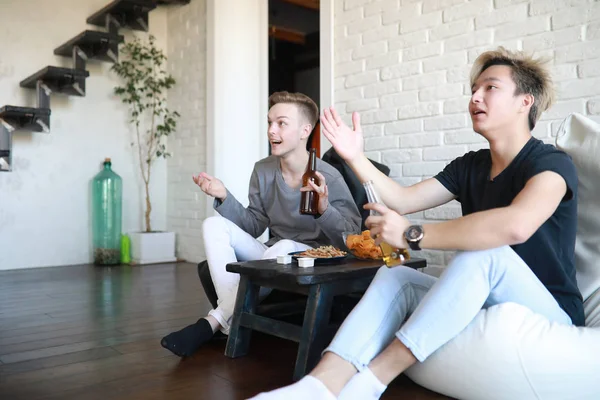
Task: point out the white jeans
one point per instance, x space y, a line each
224 243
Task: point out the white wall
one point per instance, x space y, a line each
404 65
218 53
187 63
45 201
237 91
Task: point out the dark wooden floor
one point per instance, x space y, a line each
86 332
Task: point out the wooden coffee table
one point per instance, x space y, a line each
319 283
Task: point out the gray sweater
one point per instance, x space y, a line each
275 205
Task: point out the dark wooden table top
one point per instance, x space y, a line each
350 268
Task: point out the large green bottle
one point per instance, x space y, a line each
107 194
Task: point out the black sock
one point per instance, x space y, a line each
185 342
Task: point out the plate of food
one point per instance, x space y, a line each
323 255
362 246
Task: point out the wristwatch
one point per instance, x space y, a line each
413 236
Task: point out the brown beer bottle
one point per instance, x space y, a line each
392 256
309 201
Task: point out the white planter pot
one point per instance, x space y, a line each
152 247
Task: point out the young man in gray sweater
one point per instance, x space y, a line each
274 203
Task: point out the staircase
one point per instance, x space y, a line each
88 45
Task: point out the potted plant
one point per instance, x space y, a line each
144 86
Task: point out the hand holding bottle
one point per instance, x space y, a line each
321 190
388 226
309 198
210 185
348 143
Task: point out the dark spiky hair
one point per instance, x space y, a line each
529 74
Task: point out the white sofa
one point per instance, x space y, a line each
509 352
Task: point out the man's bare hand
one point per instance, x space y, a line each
210 185
347 142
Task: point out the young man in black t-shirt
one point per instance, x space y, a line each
515 241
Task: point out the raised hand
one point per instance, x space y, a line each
321 190
387 227
348 143
210 185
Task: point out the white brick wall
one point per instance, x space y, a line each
187 62
404 65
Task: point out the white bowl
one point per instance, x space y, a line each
285 259
305 262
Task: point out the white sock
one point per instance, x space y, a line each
363 386
308 387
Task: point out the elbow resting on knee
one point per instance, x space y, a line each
519 233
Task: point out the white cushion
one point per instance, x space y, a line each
509 352
579 137
592 310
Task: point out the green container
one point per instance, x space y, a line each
107 200
125 249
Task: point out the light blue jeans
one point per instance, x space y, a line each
425 312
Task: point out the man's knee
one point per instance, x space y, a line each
285 243
211 224
388 282
481 259
396 276
282 247
213 228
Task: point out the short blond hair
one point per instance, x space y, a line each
307 107
529 74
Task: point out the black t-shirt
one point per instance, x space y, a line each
550 251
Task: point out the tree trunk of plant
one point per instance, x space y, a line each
148 208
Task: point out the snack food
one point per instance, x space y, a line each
323 252
363 246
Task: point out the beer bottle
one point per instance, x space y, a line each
392 256
309 201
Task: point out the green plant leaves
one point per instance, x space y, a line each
145 83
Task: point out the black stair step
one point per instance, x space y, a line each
60 80
95 44
160 2
28 118
129 13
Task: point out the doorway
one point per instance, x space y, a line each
294 52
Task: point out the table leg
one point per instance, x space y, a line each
246 302
314 329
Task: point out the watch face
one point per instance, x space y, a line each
414 232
